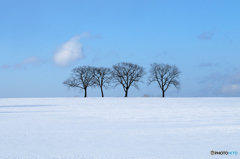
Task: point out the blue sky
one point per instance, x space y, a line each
201 37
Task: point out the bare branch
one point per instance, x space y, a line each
81 77
165 75
102 78
127 74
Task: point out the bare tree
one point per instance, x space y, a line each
165 75
127 74
102 78
81 77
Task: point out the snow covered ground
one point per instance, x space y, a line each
119 128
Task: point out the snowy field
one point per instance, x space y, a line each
119 128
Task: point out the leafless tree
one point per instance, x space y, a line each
165 75
81 77
102 78
127 74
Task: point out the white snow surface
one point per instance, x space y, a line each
118 128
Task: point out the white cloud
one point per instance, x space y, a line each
68 52
206 35
30 60
222 84
231 88
207 64
33 60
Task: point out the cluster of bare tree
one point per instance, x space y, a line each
125 74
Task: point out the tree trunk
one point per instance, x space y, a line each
126 93
85 89
163 93
102 92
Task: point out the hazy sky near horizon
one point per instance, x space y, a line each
41 41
